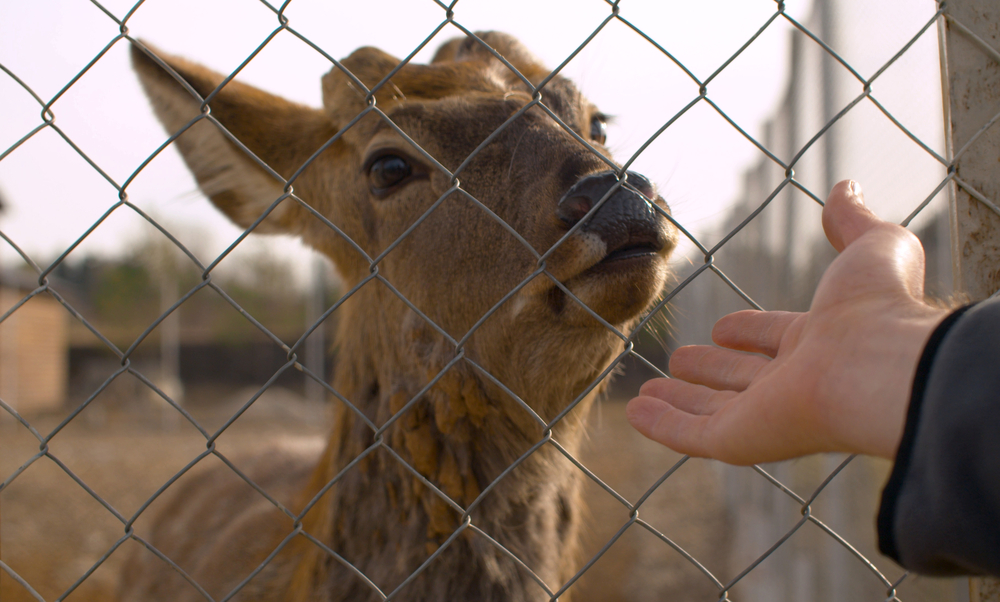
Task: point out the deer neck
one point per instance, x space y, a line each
459 434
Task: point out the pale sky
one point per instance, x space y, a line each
53 195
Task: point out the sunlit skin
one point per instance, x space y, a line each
835 378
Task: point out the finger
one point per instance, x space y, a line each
736 431
720 369
699 435
687 397
845 217
753 331
667 425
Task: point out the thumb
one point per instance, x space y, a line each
845 217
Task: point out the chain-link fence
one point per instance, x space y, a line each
456 456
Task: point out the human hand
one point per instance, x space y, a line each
836 378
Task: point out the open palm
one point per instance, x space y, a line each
835 378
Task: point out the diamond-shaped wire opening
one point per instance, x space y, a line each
745 22
243 25
47 145
78 542
629 515
99 129
24 106
648 564
311 21
47 79
193 492
663 486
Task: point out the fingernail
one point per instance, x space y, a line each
856 191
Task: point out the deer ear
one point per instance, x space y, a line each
280 133
506 45
342 98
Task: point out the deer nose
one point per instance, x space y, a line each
626 220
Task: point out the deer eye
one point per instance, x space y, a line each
598 129
388 170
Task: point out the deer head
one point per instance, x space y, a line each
509 203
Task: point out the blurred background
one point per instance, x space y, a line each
771 91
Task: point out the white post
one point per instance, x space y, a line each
164 265
170 340
315 358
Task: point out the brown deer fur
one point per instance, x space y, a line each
457 264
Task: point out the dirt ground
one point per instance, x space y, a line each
52 531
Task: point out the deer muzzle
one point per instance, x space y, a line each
627 221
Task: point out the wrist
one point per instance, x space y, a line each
909 340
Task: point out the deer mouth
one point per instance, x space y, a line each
631 251
617 283
638 250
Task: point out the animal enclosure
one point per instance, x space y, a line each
198 351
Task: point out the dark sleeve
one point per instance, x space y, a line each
940 511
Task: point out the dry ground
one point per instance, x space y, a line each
52 531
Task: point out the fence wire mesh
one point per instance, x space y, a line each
753 267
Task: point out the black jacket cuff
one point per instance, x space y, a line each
890 495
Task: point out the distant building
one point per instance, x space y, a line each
34 348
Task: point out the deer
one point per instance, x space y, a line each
487 250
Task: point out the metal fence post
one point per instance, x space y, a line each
970 33
972 102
